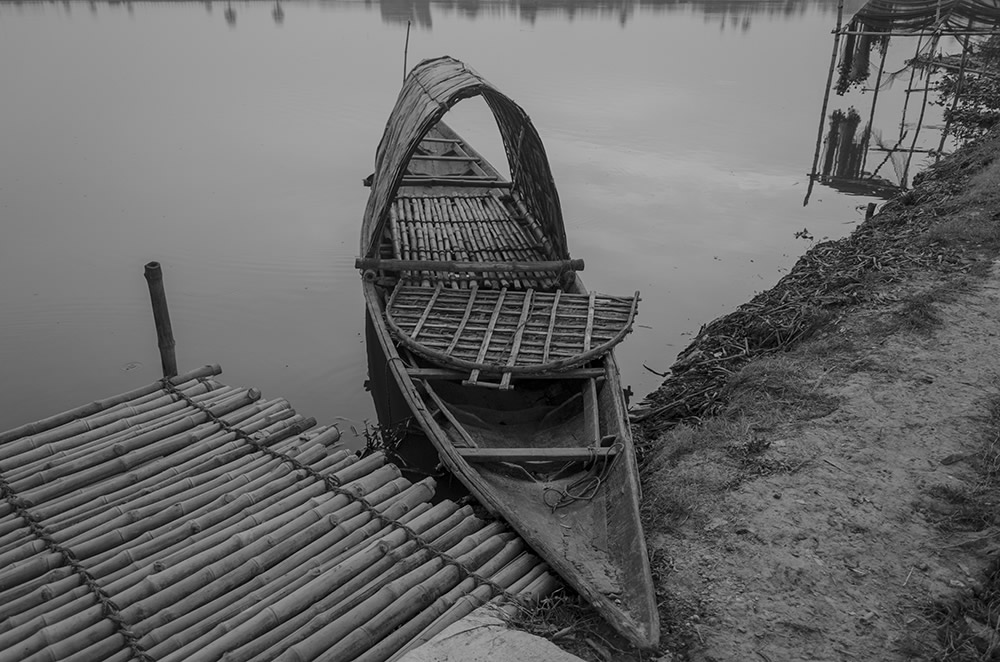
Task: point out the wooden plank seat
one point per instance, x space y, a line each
474 228
507 332
554 454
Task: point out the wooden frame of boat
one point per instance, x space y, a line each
502 356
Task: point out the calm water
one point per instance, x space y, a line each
679 136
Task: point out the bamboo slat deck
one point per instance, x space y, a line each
468 228
189 520
508 331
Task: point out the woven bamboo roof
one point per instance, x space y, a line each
189 520
432 88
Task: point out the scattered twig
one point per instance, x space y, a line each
835 465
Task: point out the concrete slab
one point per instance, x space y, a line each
483 637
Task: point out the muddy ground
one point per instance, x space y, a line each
821 467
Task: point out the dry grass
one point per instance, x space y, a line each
968 626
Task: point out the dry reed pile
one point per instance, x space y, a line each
189 520
832 274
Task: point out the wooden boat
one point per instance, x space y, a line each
502 356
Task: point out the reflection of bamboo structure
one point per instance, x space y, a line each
873 25
190 520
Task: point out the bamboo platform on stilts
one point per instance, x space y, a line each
190 520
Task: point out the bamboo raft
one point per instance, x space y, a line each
190 520
502 359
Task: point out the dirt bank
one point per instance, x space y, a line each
820 477
821 466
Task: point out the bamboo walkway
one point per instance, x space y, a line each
189 520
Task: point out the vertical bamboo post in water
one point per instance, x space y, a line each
161 316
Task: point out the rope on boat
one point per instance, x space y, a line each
587 486
109 609
331 484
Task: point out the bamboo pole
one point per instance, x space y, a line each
161 316
241 629
342 639
275 609
19 589
110 649
60 480
510 556
27 435
396 564
119 489
101 429
153 536
59 651
190 498
175 541
293 573
515 578
222 566
14 648
213 600
826 100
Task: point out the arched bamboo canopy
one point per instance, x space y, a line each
430 91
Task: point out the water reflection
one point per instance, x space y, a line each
730 14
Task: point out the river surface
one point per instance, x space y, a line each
228 142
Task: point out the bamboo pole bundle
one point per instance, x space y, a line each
338 640
224 462
64 612
223 565
282 600
385 488
109 426
175 540
148 509
40 585
62 425
455 605
193 641
106 447
245 467
21 642
404 563
25 610
293 500
102 546
282 564
109 649
57 651
158 442
380 644
33 568
67 509
60 590
401 559
257 501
